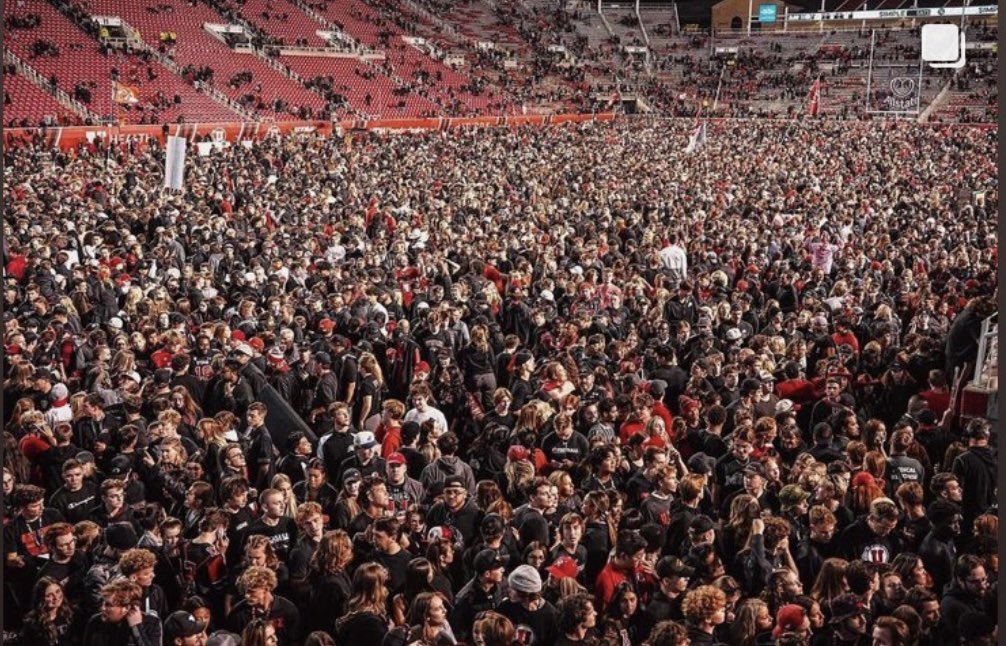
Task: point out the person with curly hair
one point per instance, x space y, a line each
704 609
257 585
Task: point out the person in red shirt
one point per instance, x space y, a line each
937 396
630 548
390 429
642 411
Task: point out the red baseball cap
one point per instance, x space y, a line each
564 567
395 458
518 452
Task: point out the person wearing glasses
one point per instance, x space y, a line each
120 620
969 592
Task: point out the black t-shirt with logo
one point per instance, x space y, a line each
75 506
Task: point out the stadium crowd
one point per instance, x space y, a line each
517 385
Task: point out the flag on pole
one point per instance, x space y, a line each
697 138
124 94
814 104
174 163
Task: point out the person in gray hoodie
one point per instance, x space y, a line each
448 464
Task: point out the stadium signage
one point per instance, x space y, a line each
873 14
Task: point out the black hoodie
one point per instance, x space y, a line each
976 471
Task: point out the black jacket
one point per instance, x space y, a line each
99 633
976 470
955 603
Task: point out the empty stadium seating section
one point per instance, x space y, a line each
392 62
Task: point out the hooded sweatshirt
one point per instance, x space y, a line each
445 467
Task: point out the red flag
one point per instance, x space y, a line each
125 94
815 99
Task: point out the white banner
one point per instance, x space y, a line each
174 163
885 14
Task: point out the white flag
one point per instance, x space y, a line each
174 163
697 138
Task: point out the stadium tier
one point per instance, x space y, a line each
279 60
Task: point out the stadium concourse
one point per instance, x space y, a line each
537 385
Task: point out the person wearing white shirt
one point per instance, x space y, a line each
674 259
420 396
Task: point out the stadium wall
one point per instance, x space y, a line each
71 137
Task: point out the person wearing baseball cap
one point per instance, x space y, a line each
403 490
457 509
674 576
365 457
182 629
792 618
483 592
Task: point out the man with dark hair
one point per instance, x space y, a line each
77 496
976 470
925 602
969 592
25 549
530 523
448 464
483 592
577 618
260 456
629 550
938 550
385 536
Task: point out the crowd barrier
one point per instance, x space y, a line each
71 137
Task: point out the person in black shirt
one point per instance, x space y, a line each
872 538
316 488
76 497
260 454
674 576
483 592
531 524
65 565
279 529
386 534
564 447
257 585
526 608
120 620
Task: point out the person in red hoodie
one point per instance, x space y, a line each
630 548
657 389
795 387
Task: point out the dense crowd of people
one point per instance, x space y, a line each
566 385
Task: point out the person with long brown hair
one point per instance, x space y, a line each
52 621
830 581
331 586
366 619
